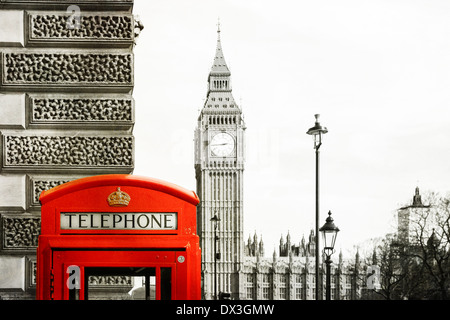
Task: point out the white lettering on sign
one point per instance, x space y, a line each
118 221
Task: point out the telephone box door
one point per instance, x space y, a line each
133 275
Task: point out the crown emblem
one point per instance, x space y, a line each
119 198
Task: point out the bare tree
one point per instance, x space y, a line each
392 267
430 246
415 263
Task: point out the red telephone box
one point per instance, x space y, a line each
127 227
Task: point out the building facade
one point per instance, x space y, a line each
66 111
290 273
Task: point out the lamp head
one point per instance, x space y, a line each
317 131
329 231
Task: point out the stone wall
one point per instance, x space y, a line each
66 111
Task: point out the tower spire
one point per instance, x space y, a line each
219 64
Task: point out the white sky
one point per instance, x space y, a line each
378 72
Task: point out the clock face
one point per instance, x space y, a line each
222 144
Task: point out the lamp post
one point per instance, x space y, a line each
216 220
329 232
317 132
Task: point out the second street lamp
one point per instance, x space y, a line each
317 131
329 232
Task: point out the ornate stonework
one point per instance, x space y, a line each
110 280
76 109
39 185
20 232
67 151
32 265
103 27
24 68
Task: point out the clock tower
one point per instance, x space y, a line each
219 166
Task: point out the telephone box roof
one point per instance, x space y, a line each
121 180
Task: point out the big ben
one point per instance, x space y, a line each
219 167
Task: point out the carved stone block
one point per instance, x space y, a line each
80 28
67 70
38 184
20 232
31 267
109 281
81 111
68 153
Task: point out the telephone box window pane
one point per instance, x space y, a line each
108 283
166 283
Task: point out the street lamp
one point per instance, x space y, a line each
317 132
216 220
329 232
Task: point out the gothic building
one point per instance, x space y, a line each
290 273
219 166
240 268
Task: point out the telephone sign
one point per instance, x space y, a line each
118 221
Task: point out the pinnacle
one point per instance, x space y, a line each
219 64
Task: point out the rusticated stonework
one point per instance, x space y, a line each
67 151
67 68
66 112
40 185
20 232
90 27
110 281
32 265
44 110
